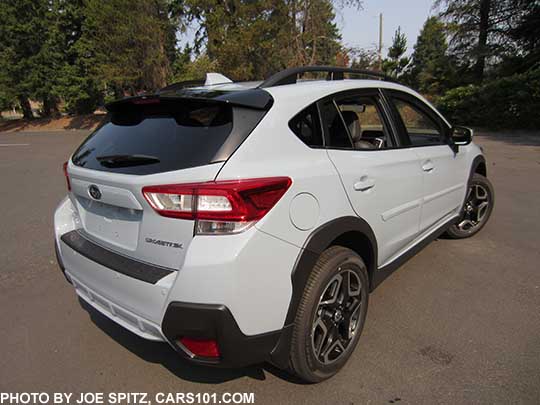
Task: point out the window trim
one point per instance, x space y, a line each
330 100
321 127
383 109
334 103
392 94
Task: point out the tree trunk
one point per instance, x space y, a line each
46 109
118 92
480 64
26 108
50 107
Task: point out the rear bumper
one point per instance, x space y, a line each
207 321
114 261
203 321
238 295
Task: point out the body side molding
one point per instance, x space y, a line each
381 274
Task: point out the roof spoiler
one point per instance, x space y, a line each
252 98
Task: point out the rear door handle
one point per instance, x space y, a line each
427 166
365 183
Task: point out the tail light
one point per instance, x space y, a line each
219 207
64 167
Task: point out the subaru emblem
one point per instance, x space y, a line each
94 192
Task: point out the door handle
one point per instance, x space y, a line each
365 183
427 166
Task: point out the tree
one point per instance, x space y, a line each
316 38
396 62
366 59
27 60
480 31
430 69
185 68
527 33
124 44
75 85
251 40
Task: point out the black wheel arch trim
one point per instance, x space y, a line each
317 242
477 161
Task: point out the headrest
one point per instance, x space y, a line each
353 123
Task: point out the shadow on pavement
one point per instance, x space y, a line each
525 138
80 122
162 353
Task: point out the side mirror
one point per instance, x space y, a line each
461 135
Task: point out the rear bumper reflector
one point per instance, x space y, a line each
114 261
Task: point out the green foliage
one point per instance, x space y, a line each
508 102
27 57
245 42
79 53
527 34
76 50
430 70
396 62
186 69
79 91
480 31
366 59
123 44
252 39
319 37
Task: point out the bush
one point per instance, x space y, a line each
509 102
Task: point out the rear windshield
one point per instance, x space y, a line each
166 135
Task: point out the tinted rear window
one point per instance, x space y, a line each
307 126
169 135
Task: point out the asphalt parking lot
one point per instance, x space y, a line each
459 323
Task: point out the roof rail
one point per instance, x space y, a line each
182 85
290 76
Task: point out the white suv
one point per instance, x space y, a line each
248 222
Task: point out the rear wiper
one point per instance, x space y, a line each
126 160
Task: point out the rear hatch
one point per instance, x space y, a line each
151 141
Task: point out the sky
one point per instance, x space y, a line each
360 28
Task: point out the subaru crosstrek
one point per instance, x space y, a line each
248 222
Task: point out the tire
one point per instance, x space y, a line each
479 186
314 355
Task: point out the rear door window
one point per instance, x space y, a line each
165 136
364 120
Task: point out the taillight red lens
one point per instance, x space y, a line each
64 167
230 200
201 347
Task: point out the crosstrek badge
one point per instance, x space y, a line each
164 243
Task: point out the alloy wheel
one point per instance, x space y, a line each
475 209
337 316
